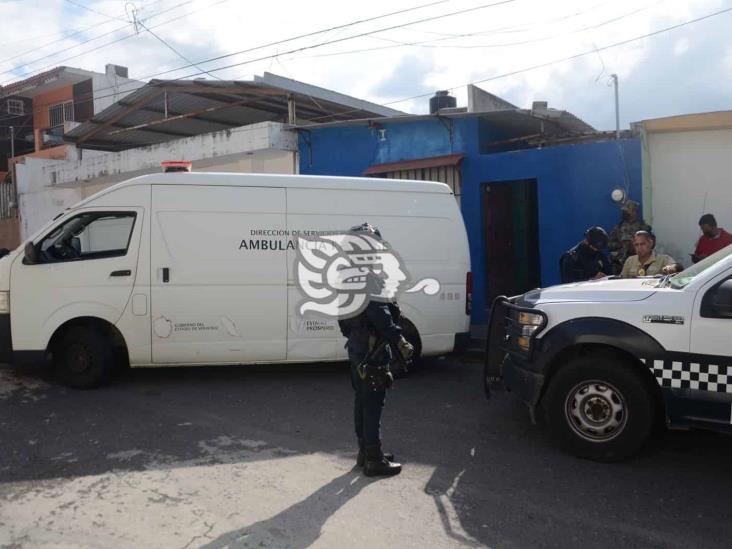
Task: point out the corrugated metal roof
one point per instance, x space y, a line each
529 122
164 110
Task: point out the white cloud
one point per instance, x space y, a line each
681 46
503 40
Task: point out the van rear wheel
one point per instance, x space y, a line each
599 408
83 358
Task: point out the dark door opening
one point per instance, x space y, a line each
510 221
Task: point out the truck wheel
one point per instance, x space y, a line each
599 408
83 358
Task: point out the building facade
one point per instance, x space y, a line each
529 182
686 173
37 113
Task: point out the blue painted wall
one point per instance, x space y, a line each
573 192
573 181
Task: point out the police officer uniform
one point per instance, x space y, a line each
371 337
582 262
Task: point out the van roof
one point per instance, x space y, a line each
290 181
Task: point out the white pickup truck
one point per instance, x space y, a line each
604 360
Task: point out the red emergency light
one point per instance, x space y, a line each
176 165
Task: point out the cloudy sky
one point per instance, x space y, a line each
399 52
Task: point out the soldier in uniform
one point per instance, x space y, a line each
372 337
620 242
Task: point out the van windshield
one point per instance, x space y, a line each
687 275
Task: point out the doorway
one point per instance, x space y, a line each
510 224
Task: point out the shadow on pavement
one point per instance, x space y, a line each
497 480
299 525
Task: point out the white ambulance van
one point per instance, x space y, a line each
200 268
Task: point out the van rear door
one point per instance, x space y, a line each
218 289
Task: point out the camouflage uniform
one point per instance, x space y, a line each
620 242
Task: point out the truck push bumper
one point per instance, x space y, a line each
6 343
524 383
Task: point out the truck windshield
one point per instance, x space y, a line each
687 275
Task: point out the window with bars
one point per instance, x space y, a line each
15 107
58 114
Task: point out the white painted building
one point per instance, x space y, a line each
687 171
47 187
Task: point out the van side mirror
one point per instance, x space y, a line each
31 253
721 302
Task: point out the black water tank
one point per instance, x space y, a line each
442 100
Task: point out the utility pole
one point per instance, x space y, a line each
14 202
617 106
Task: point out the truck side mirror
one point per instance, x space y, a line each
31 253
722 299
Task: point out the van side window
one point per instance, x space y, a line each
92 235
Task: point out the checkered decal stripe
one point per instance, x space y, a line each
692 375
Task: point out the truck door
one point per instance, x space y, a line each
86 266
711 323
218 285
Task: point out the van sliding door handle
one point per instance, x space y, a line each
166 274
121 273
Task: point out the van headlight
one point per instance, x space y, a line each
4 302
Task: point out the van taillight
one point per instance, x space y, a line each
468 292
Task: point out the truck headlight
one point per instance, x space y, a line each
530 323
4 302
530 319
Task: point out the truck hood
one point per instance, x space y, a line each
605 290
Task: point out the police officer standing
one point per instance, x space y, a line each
373 335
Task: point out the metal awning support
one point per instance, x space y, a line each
134 106
182 116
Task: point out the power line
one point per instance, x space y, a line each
542 65
299 37
171 48
337 40
56 63
518 28
38 107
572 57
549 63
65 35
92 10
427 44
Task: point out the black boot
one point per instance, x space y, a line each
361 457
378 465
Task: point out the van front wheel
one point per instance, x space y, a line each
83 358
599 408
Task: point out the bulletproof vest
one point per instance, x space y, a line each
352 325
361 324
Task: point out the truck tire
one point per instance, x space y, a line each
83 358
599 408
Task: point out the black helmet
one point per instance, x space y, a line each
366 228
596 237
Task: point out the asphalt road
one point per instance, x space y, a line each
262 457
